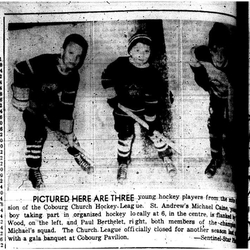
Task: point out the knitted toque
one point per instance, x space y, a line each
138 37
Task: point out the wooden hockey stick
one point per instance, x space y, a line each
64 140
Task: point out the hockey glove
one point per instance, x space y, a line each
113 102
20 99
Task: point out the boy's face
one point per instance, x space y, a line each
140 53
219 56
72 55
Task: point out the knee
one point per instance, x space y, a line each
35 136
126 142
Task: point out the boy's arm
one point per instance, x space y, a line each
23 75
107 77
198 54
108 83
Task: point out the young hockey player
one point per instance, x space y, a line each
212 71
45 88
138 87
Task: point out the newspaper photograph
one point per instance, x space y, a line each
118 125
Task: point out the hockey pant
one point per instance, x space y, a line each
124 125
218 127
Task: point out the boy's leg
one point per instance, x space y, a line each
228 139
215 128
123 155
35 135
164 152
125 127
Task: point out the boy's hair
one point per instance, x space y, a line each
78 39
138 37
219 36
75 38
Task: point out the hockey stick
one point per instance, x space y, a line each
63 139
145 125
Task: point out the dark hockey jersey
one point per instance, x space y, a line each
48 92
208 76
137 88
218 82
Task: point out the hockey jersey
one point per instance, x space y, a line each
207 75
138 89
216 81
43 89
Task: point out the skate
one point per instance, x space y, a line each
170 167
212 167
81 160
83 163
122 172
36 179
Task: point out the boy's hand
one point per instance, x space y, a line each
20 98
193 60
113 102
